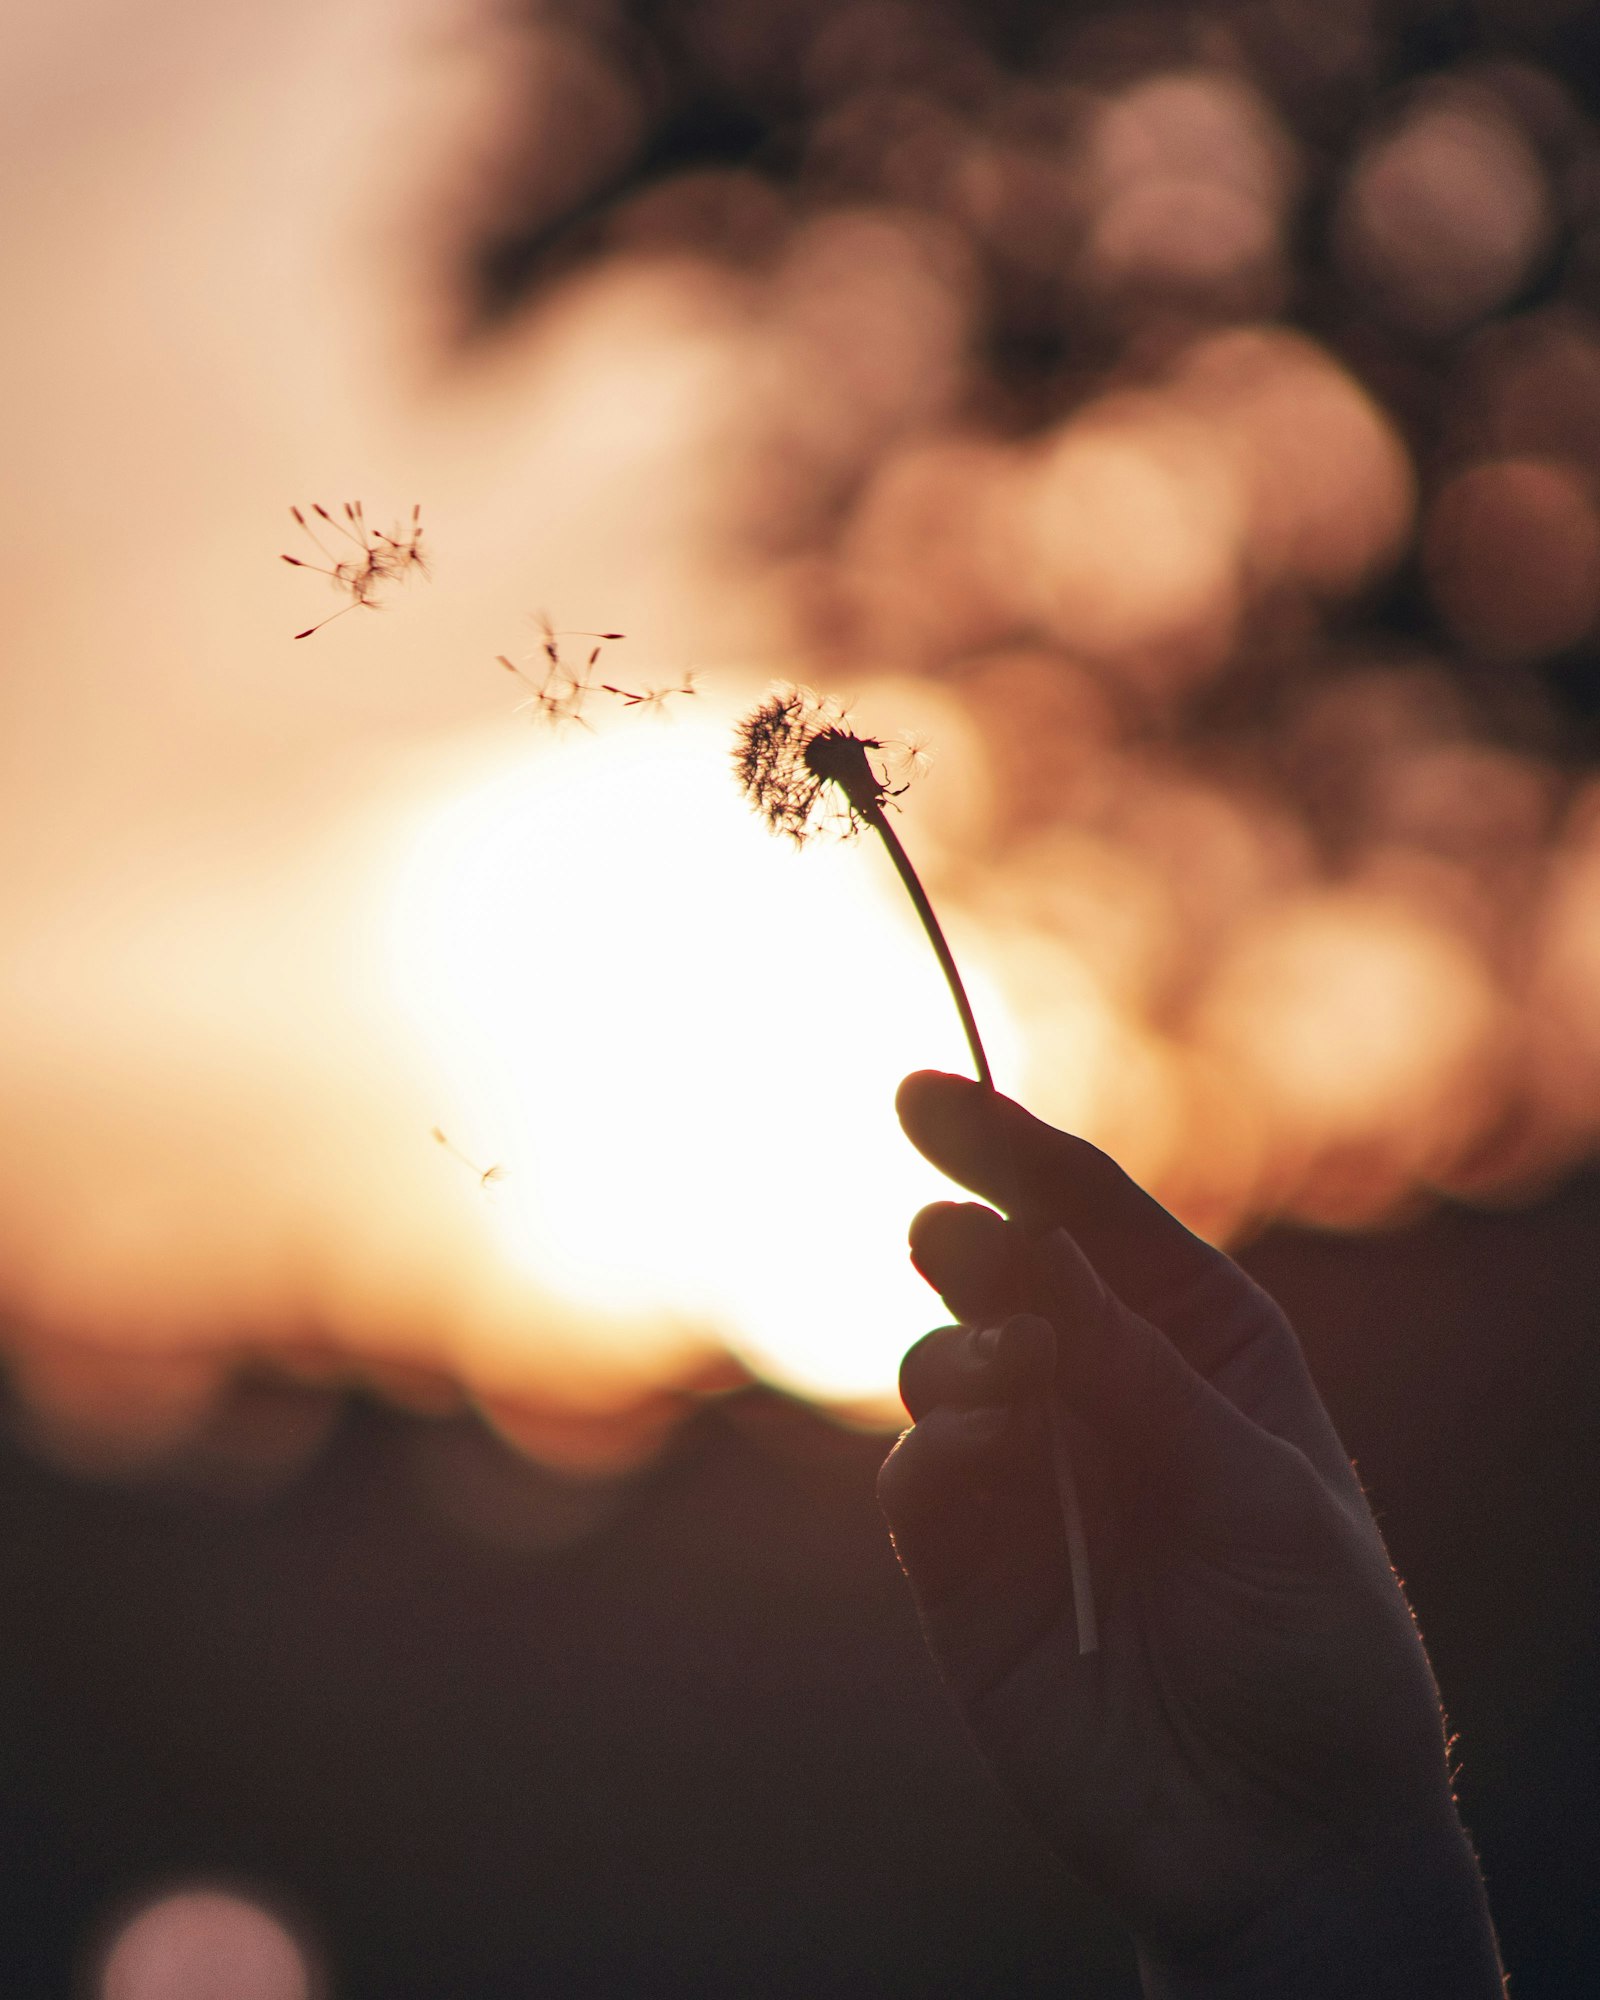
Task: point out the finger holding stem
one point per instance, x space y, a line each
845 759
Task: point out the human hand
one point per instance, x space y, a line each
1252 1767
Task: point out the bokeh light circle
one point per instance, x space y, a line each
205 1943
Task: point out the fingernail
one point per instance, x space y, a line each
986 1342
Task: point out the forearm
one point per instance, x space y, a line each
1404 1919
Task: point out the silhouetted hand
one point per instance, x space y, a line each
1252 1767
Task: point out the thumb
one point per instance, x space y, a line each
1177 1453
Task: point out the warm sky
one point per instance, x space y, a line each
273 911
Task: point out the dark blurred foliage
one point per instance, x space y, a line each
717 125
498 1731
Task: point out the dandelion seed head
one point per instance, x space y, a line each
804 771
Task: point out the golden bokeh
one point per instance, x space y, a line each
1013 412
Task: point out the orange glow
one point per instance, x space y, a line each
1134 537
1364 1026
587 963
1328 482
682 1040
931 556
1092 1070
1256 898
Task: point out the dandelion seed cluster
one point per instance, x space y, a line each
559 694
379 558
803 771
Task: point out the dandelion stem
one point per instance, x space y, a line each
1072 1526
1066 1481
876 818
786 753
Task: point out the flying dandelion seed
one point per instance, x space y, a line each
805 772
909 758
404 553
487 1177
550 644
359 560
561 690
651 697
557 696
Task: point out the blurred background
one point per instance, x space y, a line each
451 1212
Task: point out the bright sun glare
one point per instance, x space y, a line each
681 1039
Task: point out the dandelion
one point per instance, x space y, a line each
356 559
805 771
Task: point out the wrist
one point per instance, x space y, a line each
1400 1917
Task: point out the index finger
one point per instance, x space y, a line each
1225 1327
1049 1179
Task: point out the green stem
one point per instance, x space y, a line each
875 817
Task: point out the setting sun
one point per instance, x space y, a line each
680 1040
